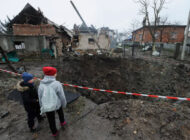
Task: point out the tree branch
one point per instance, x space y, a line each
156 6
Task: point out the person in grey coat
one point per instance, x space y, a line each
49 84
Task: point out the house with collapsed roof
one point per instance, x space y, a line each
84 38
31 32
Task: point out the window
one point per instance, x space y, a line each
134 37
156 35
140 36
173 35
91 41
19 45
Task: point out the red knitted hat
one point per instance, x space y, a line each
50 71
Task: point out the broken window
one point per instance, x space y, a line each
173 35
91 41
76 38
19 45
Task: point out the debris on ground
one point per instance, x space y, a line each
4 114
137 119
99 115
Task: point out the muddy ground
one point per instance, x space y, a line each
104 116
132 75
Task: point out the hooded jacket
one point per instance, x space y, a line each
56 86
29 95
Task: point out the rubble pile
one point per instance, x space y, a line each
137 119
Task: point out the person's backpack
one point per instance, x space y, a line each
49 100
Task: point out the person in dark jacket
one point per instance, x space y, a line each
30 99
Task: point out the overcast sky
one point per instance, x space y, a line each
116 14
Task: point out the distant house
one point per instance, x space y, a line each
83 40
127 41
31 23
164 34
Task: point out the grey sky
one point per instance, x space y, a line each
116 14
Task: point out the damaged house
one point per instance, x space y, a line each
33 33
84 38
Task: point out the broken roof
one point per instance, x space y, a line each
84 29
29 15
106 29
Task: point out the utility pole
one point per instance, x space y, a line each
186 37
86 25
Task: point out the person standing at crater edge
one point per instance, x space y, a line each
52 98
30 99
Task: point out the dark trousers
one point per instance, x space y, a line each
32 114
33 111
51 119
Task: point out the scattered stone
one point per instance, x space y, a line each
4 114
135 132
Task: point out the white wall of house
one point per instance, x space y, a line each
104 41
85 44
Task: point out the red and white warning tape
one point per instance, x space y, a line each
110 91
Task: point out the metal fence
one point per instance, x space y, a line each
161 51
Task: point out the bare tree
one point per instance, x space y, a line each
4 26
151 9
1 29
162 23
176 22
134 25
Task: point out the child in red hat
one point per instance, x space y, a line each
52 98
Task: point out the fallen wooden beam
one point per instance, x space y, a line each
7 60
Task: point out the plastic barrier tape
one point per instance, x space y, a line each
110 91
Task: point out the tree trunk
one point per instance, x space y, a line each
153 45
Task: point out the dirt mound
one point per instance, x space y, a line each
132 75
135 119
